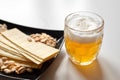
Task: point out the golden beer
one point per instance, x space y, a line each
82 53
83 35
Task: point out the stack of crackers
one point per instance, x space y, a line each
14 44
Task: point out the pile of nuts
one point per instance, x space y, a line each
10 66
43 38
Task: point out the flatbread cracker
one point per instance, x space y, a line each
4 43
21 51
9 55
39 50
10 47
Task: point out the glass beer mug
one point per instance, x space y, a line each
83 35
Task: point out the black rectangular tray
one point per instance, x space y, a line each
36 74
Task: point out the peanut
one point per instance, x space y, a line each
44 38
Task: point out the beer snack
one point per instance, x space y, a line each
38 71
15 45
16 50
43 38
39 50
3 27
7 46
8 65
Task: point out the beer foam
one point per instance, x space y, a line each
83 23
84 38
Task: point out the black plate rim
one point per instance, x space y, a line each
29 26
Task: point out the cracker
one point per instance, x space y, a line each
13 49
40 50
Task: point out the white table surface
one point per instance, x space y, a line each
50 14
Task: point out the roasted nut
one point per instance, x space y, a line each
9 62
12 66
29 39
20 70
36 39
3 27
43 40
4 58
29 70
8 71
3 67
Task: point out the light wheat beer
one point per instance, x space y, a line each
83 35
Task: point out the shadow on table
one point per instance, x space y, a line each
53 67
100 69
92 71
